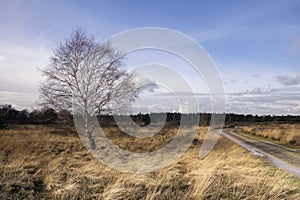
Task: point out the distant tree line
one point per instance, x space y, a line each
10 115
265 118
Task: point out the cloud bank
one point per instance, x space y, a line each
288 81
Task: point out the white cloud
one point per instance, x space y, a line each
19 100
279 101
296 109
2 58
256 90
288 81
19 65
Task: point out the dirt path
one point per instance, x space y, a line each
280 156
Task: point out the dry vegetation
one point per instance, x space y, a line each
283 133
40 162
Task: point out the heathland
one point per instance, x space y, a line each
50 162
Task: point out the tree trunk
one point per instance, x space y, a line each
89 133
91 140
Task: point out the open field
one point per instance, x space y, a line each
283 133
39 162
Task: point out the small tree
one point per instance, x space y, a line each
91 73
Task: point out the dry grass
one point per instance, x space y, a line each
37 163
283 133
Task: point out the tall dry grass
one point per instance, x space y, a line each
284 133
39 163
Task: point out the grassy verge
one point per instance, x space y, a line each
284 134
267 140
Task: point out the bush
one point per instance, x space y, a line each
2 122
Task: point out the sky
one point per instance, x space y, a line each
254 44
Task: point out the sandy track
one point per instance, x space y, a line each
280 156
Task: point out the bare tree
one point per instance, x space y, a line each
87 73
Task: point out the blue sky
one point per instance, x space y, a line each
255 44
